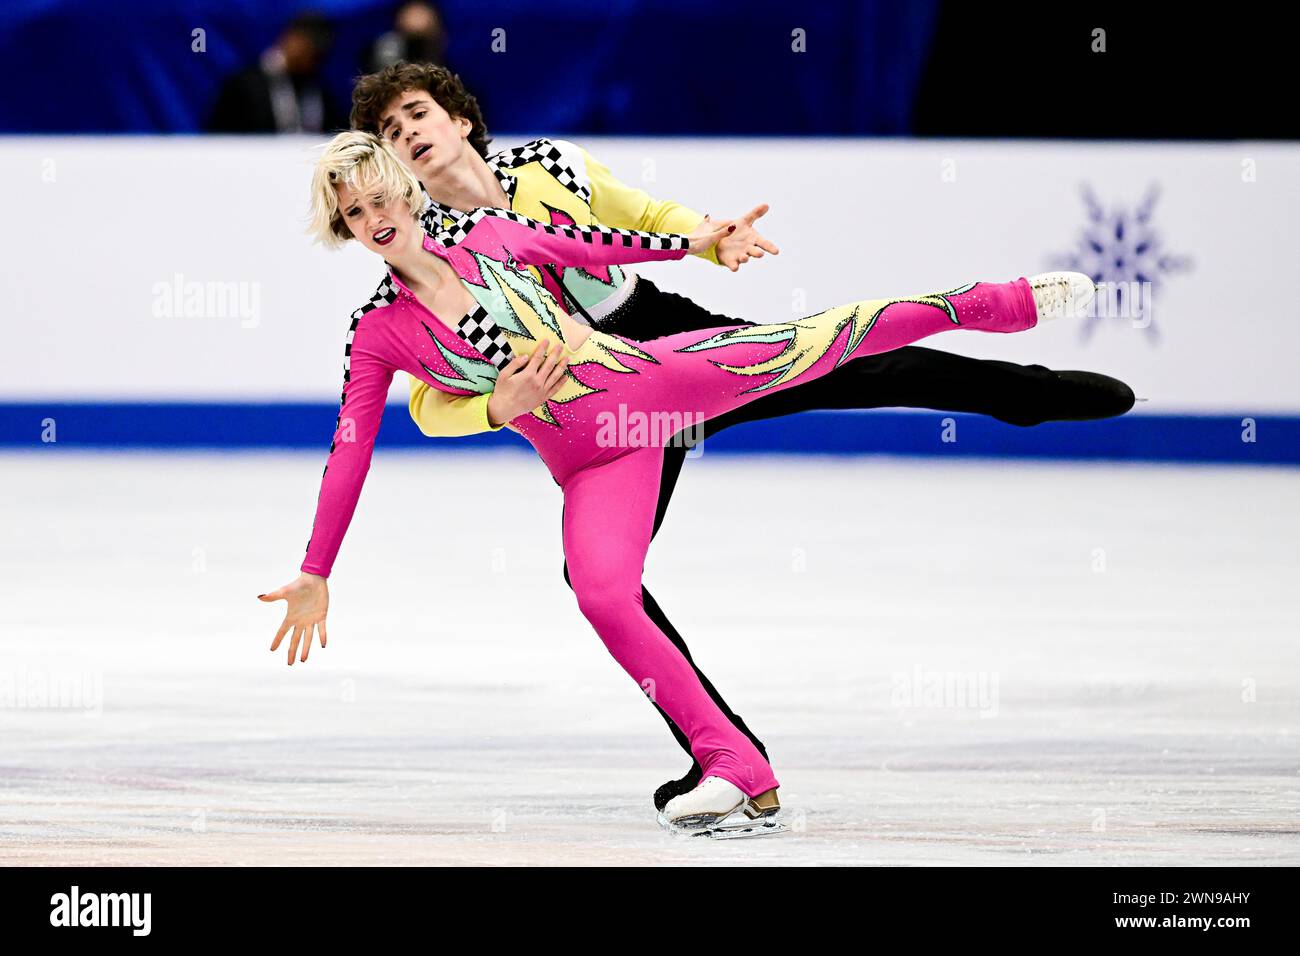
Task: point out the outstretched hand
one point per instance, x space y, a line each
709 233
746 242
309 601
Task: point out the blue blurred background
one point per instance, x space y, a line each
906 146
682 68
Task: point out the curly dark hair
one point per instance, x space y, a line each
376 90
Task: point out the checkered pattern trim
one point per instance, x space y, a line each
509 183
386 294
540 151
552 160
433 213
457 232
480 331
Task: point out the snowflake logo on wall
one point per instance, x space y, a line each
1125 256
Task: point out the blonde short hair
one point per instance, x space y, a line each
367 164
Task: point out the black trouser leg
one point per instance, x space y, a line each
916 377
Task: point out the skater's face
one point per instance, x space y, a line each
426 138
378 224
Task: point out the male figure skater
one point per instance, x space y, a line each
437 129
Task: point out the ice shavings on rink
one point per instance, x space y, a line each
976 663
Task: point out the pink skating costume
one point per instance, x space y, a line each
602 435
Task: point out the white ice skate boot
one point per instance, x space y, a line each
1062 294
704 810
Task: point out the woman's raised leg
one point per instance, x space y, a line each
710 372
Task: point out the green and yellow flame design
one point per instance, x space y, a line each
808 340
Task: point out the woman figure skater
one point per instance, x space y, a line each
459 311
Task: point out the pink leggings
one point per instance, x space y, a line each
607 451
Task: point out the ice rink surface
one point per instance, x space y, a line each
993 663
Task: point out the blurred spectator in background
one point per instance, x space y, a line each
283 92
418 36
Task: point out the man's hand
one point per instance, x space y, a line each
527 382
746 243
309 601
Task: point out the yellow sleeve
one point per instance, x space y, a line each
443 415
617 204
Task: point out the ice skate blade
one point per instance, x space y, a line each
739 831
713 827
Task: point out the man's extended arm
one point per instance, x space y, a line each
614 203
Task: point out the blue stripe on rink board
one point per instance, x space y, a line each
1138 437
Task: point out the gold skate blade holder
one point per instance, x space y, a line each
766 804
760 811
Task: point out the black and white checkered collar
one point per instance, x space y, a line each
386 294
508 183
552 159
538 151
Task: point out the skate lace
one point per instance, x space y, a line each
1051 295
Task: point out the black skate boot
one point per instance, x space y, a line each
675 788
